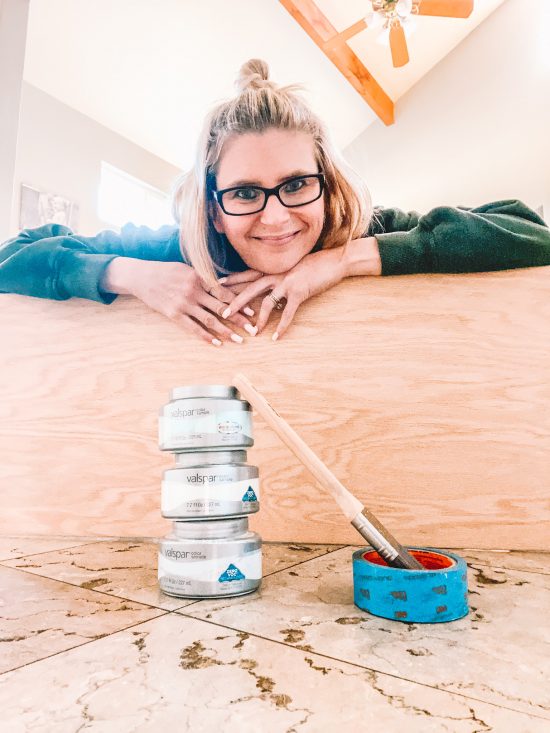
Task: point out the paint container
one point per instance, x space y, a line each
205 417
437 593
207 485
210 559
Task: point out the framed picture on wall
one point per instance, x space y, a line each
41 207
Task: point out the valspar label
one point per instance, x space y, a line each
209 569
181 429
208 493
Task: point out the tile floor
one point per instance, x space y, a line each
88 643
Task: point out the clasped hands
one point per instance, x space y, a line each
314 274
175 290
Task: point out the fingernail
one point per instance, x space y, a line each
248 311
235 337
252 330
275 336
222 279
216 342
226 312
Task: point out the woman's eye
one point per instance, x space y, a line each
295 186
245 194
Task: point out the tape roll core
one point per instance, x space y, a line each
433 595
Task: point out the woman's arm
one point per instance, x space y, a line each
53 262
496 236
361 257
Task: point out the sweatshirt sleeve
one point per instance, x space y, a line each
500 235
53 262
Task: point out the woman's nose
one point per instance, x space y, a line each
274 211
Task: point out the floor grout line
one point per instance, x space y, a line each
287 646
471 564
132 600
45 552
84 643
267 575
93 590
360 666
309 559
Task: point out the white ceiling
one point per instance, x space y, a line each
150 69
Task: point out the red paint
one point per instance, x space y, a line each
430 560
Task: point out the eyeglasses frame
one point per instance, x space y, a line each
218 195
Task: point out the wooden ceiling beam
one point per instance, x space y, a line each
333 45
346 34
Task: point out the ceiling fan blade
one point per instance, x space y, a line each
398 45
447 8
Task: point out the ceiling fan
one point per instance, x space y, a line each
394 13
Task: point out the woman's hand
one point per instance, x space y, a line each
314 274
175 290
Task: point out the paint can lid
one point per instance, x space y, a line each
207 458
204 390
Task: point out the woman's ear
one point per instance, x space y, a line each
216 218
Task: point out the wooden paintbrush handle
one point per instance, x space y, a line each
364 522
349 505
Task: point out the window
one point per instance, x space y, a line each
123 198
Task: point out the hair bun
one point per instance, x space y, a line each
253 74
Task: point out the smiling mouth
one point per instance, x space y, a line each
281 239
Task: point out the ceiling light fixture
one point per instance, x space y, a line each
393 14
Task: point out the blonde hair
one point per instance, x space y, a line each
260 105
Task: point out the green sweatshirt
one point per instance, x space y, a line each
53 262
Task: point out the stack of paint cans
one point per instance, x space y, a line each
208 495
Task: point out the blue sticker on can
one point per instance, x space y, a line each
249 495
231 573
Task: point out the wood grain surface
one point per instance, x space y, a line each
428 396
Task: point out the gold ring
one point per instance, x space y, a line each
279 305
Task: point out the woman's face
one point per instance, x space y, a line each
277 238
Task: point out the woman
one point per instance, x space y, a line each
270 204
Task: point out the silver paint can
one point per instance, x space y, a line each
210 559
209 485
205 417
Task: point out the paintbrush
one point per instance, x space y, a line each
364 522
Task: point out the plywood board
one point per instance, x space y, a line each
428 396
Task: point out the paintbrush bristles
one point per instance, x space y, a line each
389 548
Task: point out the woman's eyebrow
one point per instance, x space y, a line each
288 176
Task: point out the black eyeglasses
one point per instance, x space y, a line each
243 200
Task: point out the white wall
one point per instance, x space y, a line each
60 150
476 128
13 33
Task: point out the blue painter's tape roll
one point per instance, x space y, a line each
437 593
